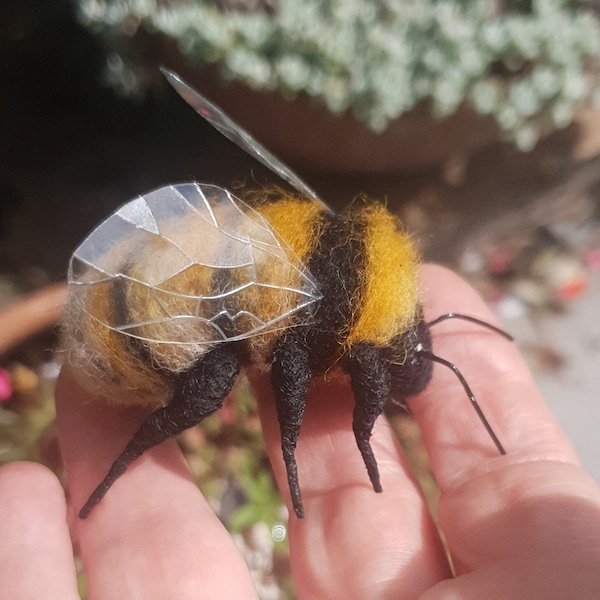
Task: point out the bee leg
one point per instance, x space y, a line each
200 391
290 377
370 379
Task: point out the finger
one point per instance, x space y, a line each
36 556
153 536
455 438
529 530
352 543
479 488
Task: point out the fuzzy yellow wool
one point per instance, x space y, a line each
390 290
295 221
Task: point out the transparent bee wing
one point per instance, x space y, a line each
189 263
232 131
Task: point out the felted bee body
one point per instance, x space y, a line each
180 289
189 266
193 273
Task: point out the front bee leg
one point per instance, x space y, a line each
200 391
370 379
290 378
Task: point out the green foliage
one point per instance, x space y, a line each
27 421
263 503
528 64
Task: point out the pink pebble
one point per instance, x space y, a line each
6 388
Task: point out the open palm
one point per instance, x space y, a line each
525 525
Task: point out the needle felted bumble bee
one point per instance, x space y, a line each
181 288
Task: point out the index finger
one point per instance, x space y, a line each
500 514
456 440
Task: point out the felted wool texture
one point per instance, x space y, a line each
337 264
294 219
293 222
101 359
390 297
298 222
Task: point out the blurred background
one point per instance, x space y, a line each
478 122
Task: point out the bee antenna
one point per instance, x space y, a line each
475 320
442 361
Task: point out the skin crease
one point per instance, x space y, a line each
521 526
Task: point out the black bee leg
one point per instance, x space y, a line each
370 379
200 391
290 377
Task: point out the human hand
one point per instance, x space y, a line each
525 525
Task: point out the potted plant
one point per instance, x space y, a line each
374 86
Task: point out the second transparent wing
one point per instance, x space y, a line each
238 135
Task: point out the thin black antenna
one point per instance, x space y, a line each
468 391
475 320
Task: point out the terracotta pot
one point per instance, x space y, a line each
30 315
